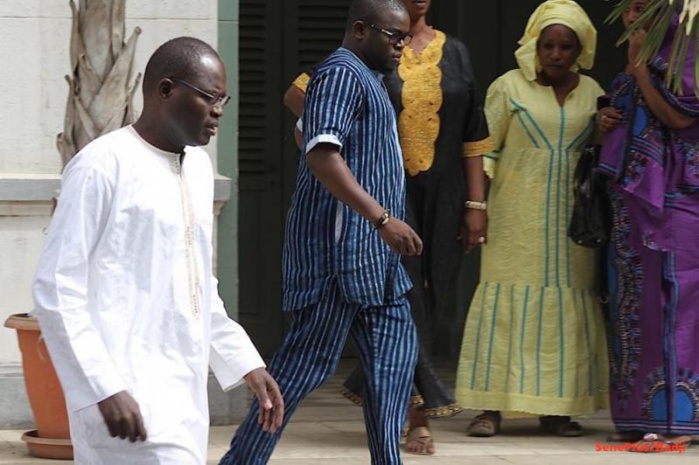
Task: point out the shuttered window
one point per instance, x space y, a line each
259 147
321 26
278 39
256 69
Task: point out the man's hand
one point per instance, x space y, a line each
400 237
269 397
123 417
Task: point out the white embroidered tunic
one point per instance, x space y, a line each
126 299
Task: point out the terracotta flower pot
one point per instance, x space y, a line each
45 393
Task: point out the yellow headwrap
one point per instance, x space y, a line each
567 13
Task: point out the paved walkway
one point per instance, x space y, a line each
327 429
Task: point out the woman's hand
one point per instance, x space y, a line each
608 118
635 43
656 101
474 229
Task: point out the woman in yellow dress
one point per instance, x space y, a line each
534 341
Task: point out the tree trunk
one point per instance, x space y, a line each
100 96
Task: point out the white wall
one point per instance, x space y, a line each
34 57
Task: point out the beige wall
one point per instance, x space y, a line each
34 57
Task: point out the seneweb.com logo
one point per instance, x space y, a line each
642 446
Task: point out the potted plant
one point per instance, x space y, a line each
100 100
51 438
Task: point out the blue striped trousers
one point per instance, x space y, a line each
386 340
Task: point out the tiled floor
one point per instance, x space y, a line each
327 429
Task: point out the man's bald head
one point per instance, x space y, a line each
177 58
370 10
184 90
376 32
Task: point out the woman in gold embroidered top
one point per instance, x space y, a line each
443 136
534 341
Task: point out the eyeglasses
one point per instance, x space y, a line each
394 37
211 99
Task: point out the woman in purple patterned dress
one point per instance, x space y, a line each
651 154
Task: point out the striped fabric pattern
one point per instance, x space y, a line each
346 105
534 341
532 349
386 340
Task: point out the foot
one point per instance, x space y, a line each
560 426
419 437
485 425
404 435
419 441
677 439
652 442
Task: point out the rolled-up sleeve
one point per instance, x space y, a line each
331 106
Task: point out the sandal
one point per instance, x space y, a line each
404 435
680 439
419 441
652 442
485 425
560 426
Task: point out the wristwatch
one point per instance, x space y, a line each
383 220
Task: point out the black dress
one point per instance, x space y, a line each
440 121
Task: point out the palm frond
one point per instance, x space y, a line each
656 19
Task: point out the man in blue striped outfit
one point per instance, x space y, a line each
344 238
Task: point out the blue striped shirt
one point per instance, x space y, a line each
346 105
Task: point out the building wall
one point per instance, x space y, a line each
35 58
227 269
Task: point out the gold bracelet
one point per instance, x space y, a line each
475 205
383 220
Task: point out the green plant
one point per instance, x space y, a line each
656 19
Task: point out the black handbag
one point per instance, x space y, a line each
590 223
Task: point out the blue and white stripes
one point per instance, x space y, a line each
386 341
346 105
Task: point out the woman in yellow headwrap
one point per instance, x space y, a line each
534 341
